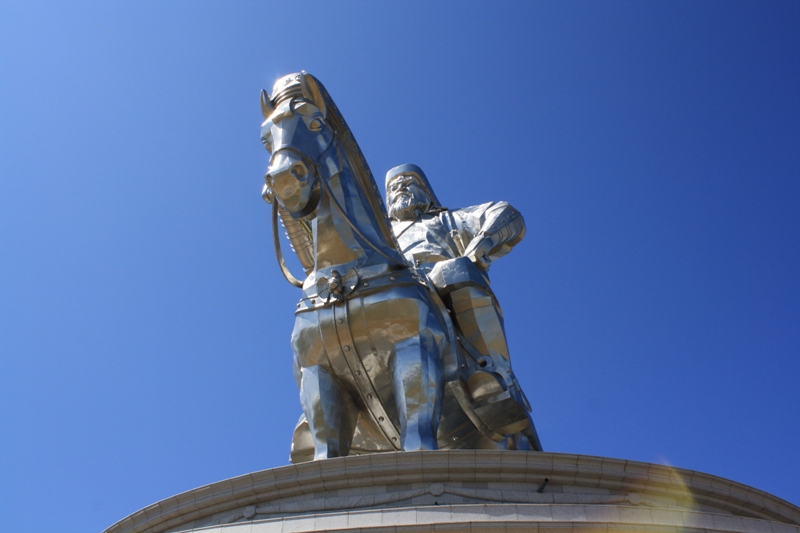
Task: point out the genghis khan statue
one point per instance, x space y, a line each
396 346
454 248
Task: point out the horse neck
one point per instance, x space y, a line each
337 245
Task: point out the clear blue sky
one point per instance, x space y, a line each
653 310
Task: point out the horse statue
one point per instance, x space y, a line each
377 359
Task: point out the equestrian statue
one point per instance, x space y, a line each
398 346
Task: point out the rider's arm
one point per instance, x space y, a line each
501 228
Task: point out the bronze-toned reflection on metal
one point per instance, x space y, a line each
379 361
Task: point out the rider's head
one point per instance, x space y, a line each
408 193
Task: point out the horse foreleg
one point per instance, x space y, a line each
330 411
417 388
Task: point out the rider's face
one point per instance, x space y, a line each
408 190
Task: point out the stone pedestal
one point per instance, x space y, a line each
469 490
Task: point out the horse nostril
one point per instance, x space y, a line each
299 171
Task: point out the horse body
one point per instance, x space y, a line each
368 338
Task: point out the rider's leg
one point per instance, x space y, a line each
330 411
417 388
480 320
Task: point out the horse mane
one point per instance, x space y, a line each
361 170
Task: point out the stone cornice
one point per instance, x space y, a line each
468 477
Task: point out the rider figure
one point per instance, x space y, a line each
454 248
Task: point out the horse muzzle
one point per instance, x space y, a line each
293 183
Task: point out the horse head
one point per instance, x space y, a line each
301 143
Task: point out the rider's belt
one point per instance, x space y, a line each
322 295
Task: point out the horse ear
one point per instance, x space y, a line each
316 95
266 104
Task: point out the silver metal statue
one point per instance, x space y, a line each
454 249
375 352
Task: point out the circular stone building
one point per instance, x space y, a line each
469 490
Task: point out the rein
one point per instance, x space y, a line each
352 226
276 239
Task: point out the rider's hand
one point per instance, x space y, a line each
478 251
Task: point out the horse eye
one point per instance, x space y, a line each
315 125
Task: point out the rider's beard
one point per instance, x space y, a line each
406 207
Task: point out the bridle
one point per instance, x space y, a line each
313 203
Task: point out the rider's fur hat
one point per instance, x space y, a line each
413 170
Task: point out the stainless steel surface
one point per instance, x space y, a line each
376 354
454 248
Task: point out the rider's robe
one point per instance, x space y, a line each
438 244
446 234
